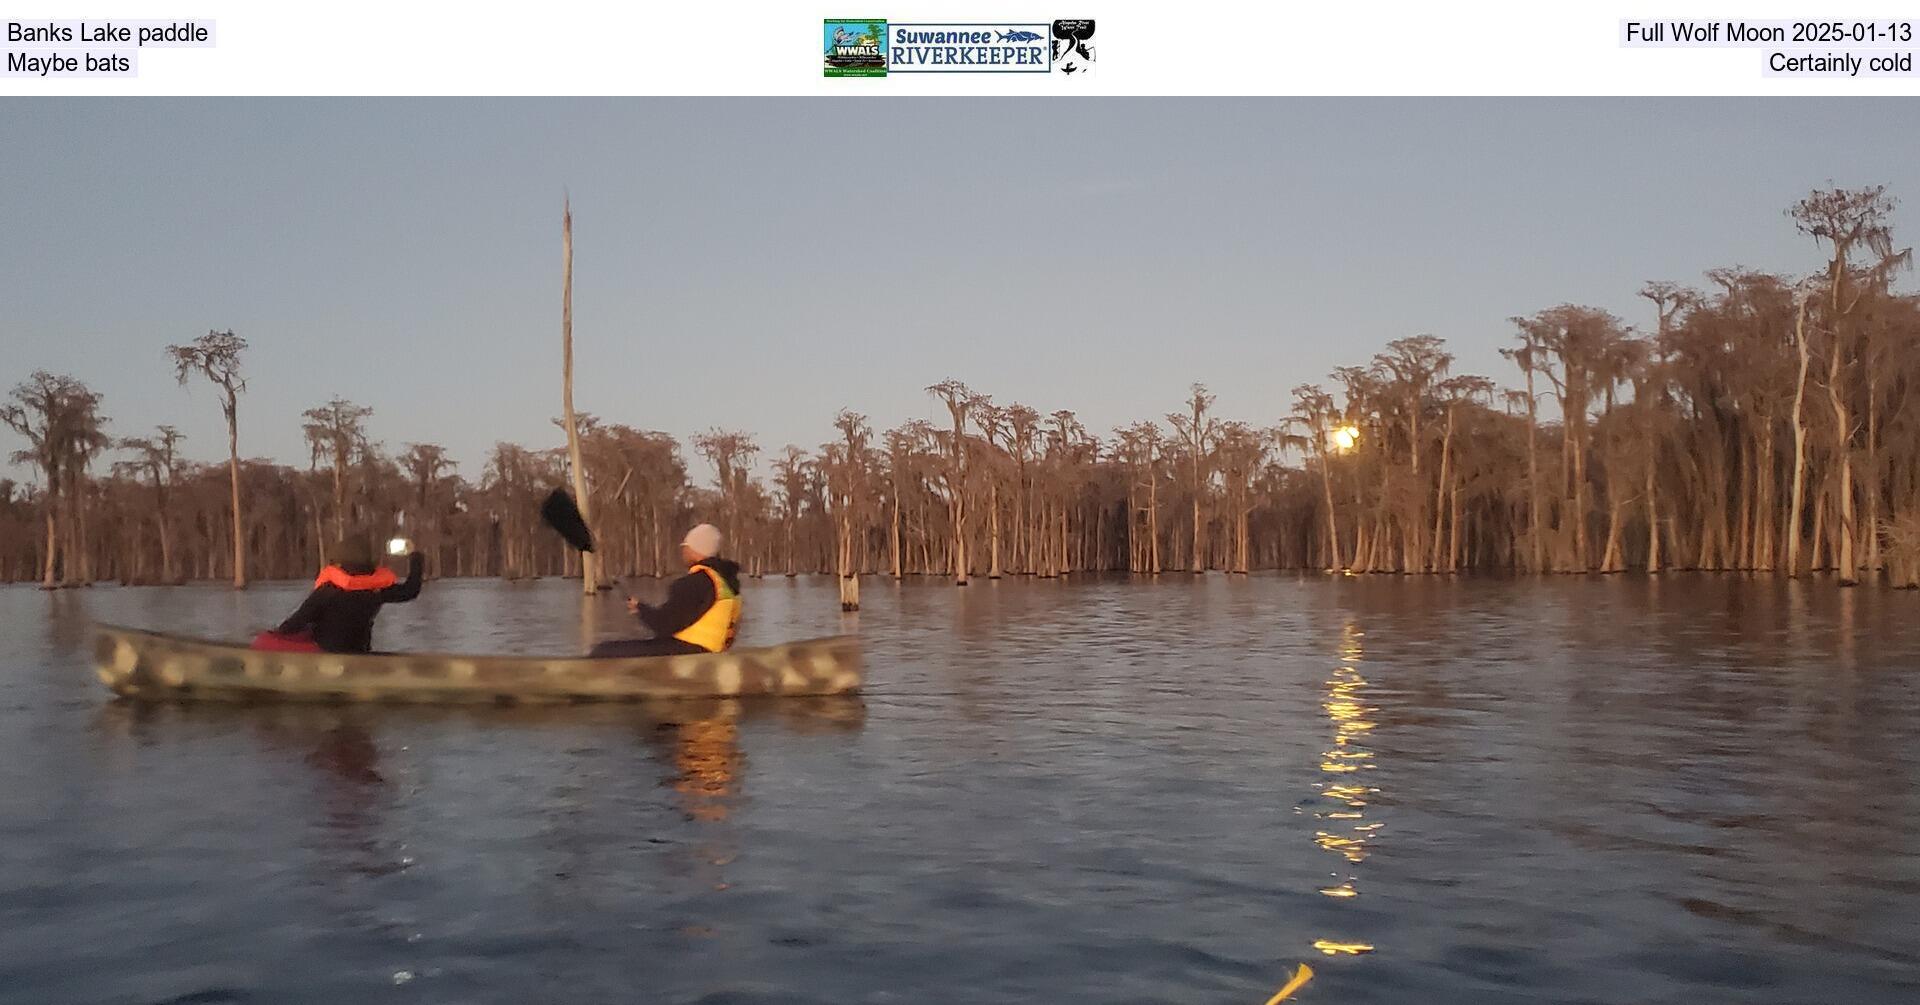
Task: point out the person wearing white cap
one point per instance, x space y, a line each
702 611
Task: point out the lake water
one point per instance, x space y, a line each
1681 789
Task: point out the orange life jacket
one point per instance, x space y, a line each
333 575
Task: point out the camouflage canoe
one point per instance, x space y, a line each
143 664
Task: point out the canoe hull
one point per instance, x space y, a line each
142 664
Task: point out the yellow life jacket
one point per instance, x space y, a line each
715 630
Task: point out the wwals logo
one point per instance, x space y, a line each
856 48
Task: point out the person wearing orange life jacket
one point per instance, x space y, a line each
702 611
347 596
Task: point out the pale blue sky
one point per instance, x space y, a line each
758 264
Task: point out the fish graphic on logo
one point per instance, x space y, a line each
1018 36
1072 48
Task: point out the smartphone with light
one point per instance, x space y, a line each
399 546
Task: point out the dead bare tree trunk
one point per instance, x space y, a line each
233 479
1440 489
1533 476
1611 558
1453 533
589 563
1843 485
1819 528
849 581
166 549
1765 479
1870 528
993 531
960 402
1153 514
896 533
53 537
1653 514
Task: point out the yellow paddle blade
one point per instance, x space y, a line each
1300 979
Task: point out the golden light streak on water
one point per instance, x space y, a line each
1348 848
1347 712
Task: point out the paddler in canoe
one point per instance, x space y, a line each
337 617
702 610
697 620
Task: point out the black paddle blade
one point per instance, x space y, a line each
562 515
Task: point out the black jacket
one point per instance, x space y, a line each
342 620
688 598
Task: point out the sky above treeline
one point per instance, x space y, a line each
760 264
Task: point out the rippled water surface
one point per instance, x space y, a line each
1570 790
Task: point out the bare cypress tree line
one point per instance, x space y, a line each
1759 422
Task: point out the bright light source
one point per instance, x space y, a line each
1343 439
398 546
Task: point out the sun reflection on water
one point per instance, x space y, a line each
1344 796
706 754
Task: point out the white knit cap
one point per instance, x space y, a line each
704 540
